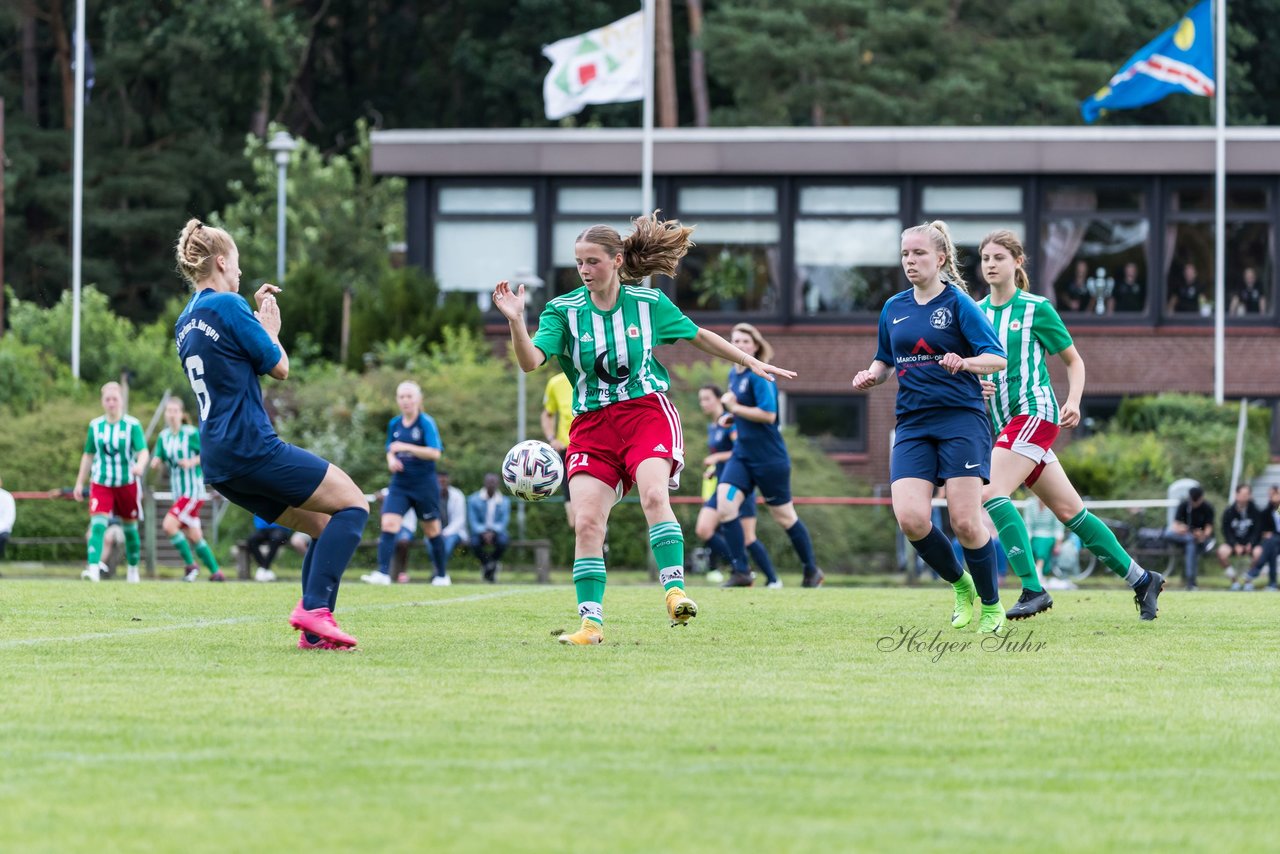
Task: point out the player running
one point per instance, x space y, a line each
116 451
720 438
224 348
178 447
1026 417
413 446
625 431
759 461
937 342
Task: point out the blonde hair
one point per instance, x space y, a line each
940 236
764 350
653 246
1008 240
412 386
198 246
113 385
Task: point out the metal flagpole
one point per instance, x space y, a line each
1220 200
646 145
77 193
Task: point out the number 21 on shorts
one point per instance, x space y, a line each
578 460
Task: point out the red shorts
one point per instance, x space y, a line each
187 511
1032 437
119 501
611 443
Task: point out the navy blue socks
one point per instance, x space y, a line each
982 566
800 541
332 552
935 550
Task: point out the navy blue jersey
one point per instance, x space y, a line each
224 350
914 337
422 432
720 439
756 442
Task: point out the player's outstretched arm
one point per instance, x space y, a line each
511 305
709 342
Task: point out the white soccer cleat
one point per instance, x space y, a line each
92 573
132 575
775 585
193 574
264 574
441 581
379 579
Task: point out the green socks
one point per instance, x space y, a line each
206 556
132 543
588 580
97 529
1016 542
667 541
1099 539
180 543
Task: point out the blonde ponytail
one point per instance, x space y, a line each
940 236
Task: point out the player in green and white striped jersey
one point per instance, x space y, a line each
116 452
1026 417
625 432
178 447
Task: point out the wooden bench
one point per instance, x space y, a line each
541 556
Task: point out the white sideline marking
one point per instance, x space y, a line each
232 621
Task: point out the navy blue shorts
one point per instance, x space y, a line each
937 444
773 479
746 511
423 497
285 479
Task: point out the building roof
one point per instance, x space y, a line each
827 150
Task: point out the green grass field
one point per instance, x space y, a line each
170 717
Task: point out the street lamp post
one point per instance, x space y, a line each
531 283
283 145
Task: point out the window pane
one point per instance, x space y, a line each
849 200
1200 198
602 200
846 265
730 200
1097 266
1250 286
486 200
1078 198
973 200
566 231
733 267
474 256
836 423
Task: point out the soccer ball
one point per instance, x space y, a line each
532 470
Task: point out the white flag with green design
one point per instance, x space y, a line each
604 66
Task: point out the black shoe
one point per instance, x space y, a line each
1145 595
813 579
1030 603
738 579
491 574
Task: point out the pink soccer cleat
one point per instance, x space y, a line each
303 643
319 621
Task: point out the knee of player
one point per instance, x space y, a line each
654 497
914 522
589 528
968 528
391 524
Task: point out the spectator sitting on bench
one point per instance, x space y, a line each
266 540
1243 525
453 519
1192 528
488 512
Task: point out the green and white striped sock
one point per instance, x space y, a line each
588 580
667 541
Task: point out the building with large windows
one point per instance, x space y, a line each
797 232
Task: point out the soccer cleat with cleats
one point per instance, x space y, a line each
1146 594
217 576
813 579
680 608
992 620
191 573
966 594
303 643
319 621
1029 604
92 573
590 633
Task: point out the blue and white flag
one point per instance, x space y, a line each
1179 60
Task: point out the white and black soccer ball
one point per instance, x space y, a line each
532 470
